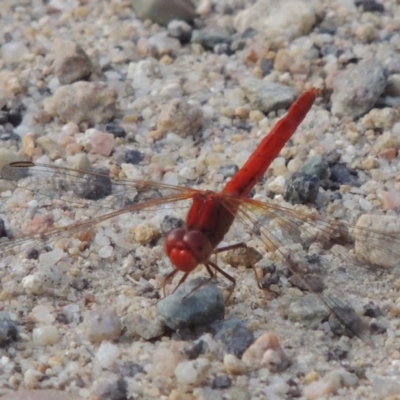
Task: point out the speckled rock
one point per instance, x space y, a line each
290 19
164 11
90 102
267 96
180 117
301 188
356 90
71 63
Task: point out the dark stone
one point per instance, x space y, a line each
130 369
370 6
94 187
117 390
3 232
372 311
79 284
301 188
15 117
316 165
8 330
116 130
169 223
200 347
32 254
209 38
133 156
343 175
227 171
221 382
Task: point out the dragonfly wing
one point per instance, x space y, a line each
290 234
90 197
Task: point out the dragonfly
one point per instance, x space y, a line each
210 216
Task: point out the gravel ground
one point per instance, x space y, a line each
87 85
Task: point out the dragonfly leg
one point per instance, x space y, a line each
205 282
183 279
227 276
168 278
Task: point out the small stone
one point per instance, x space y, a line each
71 63
356 90
267 96
13 52
233 365
290 19
43 314
372 6
107 354
179 117
307 308
50 147
343 175
301 188
377 249
192 372
165 360
316 165
221 382
45 335
102 143
164 11
94 187
163 45
133 157
267 351
3 232
277 185
102 323
8 329
146 233
242 256
209 38
117 130
192 304
90 102
383 118
169 223
390 199
110 388
139 326
180 30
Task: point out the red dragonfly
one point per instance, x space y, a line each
210 215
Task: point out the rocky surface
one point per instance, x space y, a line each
130 91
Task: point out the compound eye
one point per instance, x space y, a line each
199 246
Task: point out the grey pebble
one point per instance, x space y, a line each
267 96
139 326
316 165
307 308
343 175
357 89
8 329
190 307
209 38
301 188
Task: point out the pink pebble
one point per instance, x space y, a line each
102 142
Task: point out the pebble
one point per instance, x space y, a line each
45 335
90 102
234 365
372 248
185 308
234 334
301 188
101 142
343 175
71 63
221 382
266 351
169 223
277 185
179 117
192 372
110 388
95 188
14 52
107 354
43 314
117 130
180 30
209 38
316 165
146 233
7 157
164 11
8 329
166 359
307 308
267 96
139 326
46 394
383 118
291 19
162 44
350 96
383 386
133 157
102 323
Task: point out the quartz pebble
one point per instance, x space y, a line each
192 372
267 351
107 354
139 326
102 142
90 102
45 335
180 117
102 323
71 63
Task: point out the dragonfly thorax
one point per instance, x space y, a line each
187 249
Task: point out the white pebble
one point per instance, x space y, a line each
32 284
43 314
13 52
102 323
277 185
107 354
192 372
45 335
106 251
51 257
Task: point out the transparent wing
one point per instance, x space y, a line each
289 233
91 197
